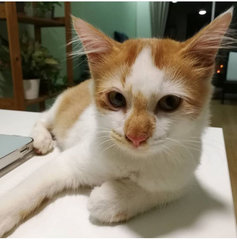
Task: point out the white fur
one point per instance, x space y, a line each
143 72
146 78
128 181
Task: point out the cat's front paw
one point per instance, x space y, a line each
106 204
43 142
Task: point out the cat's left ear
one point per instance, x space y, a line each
95 43
203 46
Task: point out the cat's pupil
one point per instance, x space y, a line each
169 103
116 99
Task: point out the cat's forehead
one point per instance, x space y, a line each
148 77
144 75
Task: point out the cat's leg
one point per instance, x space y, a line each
43 141
71 169
19 202
119 200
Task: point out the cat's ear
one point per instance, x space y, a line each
95 43
204 45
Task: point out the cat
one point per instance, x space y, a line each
132 132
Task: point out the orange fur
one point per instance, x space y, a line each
140 122
168 56
74 101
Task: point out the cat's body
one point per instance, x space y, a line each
133 131
116 163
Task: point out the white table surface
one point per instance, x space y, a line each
205 211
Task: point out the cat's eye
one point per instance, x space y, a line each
169 103
116 99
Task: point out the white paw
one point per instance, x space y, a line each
106 205
43 142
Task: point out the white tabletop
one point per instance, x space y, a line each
205 211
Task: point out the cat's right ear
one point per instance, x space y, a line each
95 43
203 46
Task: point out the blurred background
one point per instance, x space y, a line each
44 31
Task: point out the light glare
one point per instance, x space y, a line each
202 12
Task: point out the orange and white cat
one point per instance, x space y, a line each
133 132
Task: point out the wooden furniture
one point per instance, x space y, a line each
9 13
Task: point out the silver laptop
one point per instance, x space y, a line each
13 148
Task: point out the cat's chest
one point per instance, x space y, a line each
154 173
122 166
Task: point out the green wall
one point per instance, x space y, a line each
143 20
108 16
131 18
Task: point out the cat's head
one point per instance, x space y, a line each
151 91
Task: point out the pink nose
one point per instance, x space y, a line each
137 139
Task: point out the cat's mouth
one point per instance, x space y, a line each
124 141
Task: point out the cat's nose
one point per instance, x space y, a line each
137 139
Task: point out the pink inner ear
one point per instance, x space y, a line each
205 44
94 42
213 36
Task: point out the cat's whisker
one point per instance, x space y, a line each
194 146
157 142
102 138
206 142
105 141
103 131
103 128
167 149
103 135
194 143
181 145
109 147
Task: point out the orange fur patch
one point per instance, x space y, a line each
181 68
74 101
140 121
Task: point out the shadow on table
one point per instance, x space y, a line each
177 215
180 214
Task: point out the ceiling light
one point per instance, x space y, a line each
202 12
